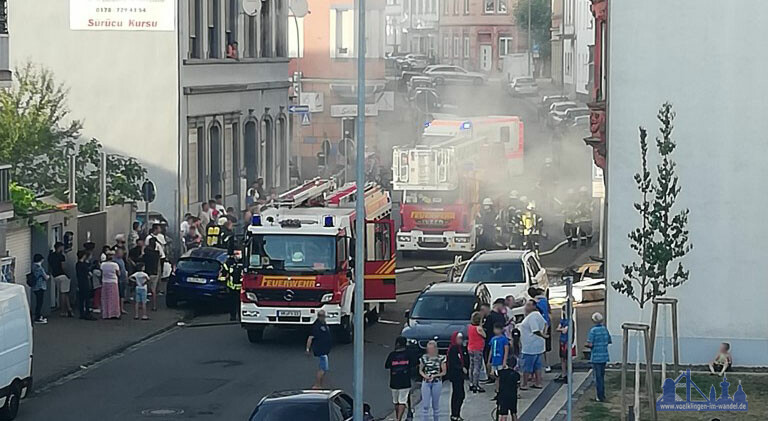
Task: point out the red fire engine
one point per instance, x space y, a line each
299 259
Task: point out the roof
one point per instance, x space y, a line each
499 256
300 395
451 288
212 253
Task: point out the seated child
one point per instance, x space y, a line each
722 361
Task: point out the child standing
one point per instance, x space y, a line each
507 397
563 329
498 352
140 299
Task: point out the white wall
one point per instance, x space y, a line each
707 60
123 85
585 36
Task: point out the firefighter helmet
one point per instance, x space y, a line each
513 194
487 202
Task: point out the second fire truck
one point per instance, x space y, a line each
299 259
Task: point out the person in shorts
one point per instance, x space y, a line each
499 352
56 267
141 279
152 268
319 342
399 365
507 397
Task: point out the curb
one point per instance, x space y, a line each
51 381
577 394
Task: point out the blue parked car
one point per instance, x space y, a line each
197 277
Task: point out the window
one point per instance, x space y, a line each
456 7
251 151
342 32
420 9
490 6
446 46
232 157
195 178
195 28
282 151
501 6
292 253
504 134
446 7
268 151
456 46
466 7
266 28
505 45
214 17
251 48
230 26
494 272
214 139
466 47
281 25
293 34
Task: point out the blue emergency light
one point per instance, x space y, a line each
328 221
466 125
256 220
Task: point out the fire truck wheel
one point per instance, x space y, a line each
373 316
255 335
345 330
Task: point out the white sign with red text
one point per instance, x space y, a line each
122 15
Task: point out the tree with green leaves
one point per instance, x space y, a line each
663 235
37 137
541 23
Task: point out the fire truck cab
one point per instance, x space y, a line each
299 259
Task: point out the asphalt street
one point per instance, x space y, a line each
213 372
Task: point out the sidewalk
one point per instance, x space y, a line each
65 344
532 405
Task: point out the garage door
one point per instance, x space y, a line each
19 245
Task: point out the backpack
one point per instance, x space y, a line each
31 281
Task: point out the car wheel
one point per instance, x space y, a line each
171 301
256 335
372 316
478 81
345 330
12 401
439 81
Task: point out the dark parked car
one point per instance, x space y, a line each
304 405
441 309
197 277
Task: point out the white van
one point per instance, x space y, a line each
15 349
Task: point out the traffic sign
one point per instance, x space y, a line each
296 109
148 191
306 119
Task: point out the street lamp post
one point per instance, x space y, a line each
360 218
530 46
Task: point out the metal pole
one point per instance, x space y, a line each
530 45
103 181
72 181
360 216
569 312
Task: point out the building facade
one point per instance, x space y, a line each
194 89
722 184
476 34
556 42
420 20
327 62
578 36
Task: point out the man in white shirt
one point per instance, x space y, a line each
533 331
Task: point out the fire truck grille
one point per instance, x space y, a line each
286 297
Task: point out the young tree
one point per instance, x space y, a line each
541 23
37 137
663 235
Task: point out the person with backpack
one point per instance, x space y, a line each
37 280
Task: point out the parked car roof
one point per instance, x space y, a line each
301 395
212 253
450 288
499 256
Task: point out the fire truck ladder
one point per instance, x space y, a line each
304 194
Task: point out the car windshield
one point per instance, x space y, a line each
564 106
294 411
443 307
430 197
192 265
495 272
292 253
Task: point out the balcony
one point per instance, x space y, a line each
6 205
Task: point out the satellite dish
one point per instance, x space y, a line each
300 8
251 7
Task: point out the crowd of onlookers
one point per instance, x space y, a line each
126 272
495 350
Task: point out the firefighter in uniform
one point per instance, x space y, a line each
221 235
584 216
570 214
511 218
486 220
